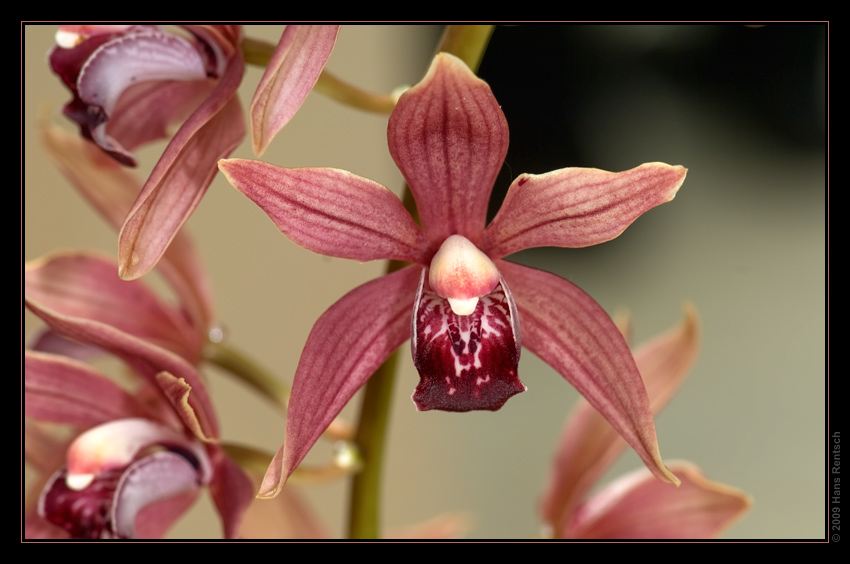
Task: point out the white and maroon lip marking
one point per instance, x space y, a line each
465 362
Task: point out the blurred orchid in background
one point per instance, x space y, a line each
449 138
128 441
111 482
636 506
132 83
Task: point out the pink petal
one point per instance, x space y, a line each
292 72
147 359
577 207
329 211
154 520
589 444
232 492
448 136
465 362
153 480
66 391
85 285
154 109
111 189
347 344
637 506
569 331
45 340
182 176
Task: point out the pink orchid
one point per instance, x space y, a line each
636 505
111 484
131 84
449 138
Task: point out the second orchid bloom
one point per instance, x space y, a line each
131 84
467 311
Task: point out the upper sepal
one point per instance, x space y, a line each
449 137
465 362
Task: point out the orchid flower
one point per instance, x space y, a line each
112 481
132 83
449 137
636 505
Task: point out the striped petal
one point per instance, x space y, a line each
63 390
637 506
589 444
577 207
85 285
449 137
182 175
232 492
569 331
292 72
330 211
345 347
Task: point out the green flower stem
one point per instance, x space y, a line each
261 380
259 53
248 371
364 510
345 93
469 43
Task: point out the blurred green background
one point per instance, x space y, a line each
743 108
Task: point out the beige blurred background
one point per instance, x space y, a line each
743 241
